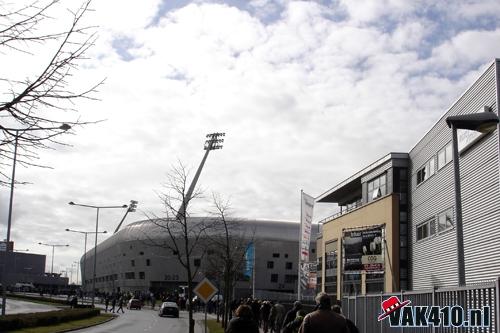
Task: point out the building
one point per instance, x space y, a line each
373 207
28 268
407 199
127 261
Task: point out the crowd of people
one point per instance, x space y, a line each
272 317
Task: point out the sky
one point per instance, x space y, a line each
307 92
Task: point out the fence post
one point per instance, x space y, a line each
380 322
356 308
402 300
364 315
433 302
497 303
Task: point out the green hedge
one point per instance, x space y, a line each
42 299
22 320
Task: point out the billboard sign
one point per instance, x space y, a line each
363 250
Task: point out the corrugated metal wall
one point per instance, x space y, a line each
433 261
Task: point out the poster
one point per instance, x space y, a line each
363 250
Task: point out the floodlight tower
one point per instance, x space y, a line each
213 142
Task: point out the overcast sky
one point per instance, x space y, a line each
308 93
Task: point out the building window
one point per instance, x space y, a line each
197 262
313 250
426 229
276 255
288 265
286 255
148 262
129 276
445 220
427 170
444 156
132 263
289 278
141 253
270 264
377 187
274 277
142 275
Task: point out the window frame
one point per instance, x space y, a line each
430 229
448 156
376 184
451 224
428 169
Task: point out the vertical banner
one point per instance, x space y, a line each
249 260
305 226
306 215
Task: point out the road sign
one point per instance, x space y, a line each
205 290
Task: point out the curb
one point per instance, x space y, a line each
87 326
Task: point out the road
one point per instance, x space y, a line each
146 320
16 306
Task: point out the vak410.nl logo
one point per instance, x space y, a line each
401 314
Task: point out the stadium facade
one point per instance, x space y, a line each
128 260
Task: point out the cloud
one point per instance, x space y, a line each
307 92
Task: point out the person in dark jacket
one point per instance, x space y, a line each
243 321
294 325
324 320
290 315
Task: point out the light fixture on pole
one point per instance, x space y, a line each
131 208
85 249
53 247
483 122
15 132
96 232
213 142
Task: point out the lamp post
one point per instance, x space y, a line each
483 122
15 133
85 249
53 247
96 232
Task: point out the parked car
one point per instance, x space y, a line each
169 309
134 303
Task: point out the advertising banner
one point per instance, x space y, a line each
307 207
363 250
249 260
308 276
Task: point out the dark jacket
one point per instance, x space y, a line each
324 321
242 325
289 317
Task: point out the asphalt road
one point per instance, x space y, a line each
16 306
146 320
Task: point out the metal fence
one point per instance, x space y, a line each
364 310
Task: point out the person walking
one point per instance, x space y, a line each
280 312
106 301
291 315
294 325
243 321
113 303
120 304
265 311
323 320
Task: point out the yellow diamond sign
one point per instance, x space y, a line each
205 290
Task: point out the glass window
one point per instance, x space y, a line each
197 262
270 264
427 170
276 255
274 277
377 187
289 278
142 275
422 231
445 220
148 262
449 153
444 156
132 263
288 265
432 227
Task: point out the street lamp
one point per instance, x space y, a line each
483 122
85 249
15 133
53 247
96 232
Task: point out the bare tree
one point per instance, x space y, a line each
228 245
36 105
177 232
